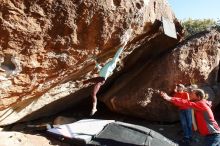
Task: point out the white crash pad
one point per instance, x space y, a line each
83 129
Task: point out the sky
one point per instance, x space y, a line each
196 9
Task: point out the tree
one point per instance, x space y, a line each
197 25
218 24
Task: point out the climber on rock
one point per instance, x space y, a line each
107 70
104 73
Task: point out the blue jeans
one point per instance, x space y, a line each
213 140
186 122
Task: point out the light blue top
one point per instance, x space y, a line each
109 67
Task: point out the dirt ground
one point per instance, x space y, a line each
21 135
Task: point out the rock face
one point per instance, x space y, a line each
194 61
46 48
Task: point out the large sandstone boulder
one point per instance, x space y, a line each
194 61
46 48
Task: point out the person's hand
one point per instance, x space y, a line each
175 89
165 96
126 37
124 44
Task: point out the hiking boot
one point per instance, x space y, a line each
194 140
184 142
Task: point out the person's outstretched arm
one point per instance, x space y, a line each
165 96
118 53
182 102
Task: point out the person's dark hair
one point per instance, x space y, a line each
200 93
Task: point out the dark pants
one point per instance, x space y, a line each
186 122
212 140
94 80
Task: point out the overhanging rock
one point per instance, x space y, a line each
46 48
